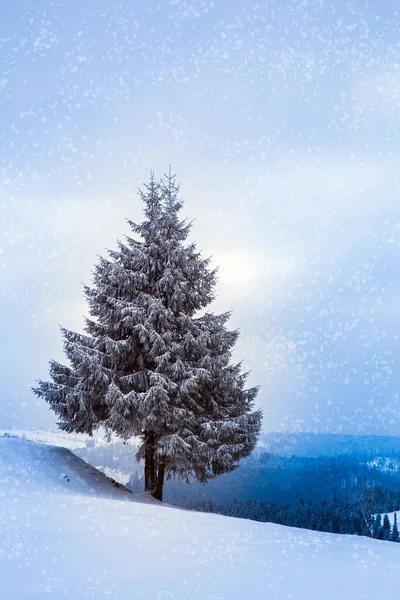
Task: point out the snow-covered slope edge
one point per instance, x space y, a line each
28 467
114 458
77 539
61 438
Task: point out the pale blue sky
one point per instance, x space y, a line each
281 119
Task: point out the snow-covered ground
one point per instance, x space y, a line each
391 517
68 532
385 464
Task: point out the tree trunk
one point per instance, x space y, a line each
150 463
158 489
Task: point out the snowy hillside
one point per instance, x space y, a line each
385 464
30 469
115 458
67 531
391 517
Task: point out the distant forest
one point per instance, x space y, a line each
339 494
336 516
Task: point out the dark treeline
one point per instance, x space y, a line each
346 516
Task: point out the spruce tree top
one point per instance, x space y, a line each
152 363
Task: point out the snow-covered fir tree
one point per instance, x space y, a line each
152 362
377 526
386 528
395 537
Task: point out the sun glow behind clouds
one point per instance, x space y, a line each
237 267
242 268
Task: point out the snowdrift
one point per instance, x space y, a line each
68 532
